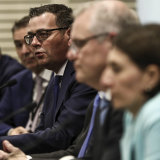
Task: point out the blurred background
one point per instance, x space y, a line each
11 10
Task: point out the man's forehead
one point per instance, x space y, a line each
80 29
44 21
21 32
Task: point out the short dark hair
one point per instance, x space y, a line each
142 45
63 13
22 23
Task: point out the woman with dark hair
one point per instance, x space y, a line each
133 74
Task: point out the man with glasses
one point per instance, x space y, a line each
91 42
65 102
25 91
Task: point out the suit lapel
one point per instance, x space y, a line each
66 81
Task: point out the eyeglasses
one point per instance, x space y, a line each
77 44
41 35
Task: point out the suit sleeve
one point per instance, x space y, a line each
75 147
69 122
5 109
108 143
16 97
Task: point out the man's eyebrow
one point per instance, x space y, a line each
30 33
42 29
17 40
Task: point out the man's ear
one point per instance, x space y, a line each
69 42
152 76
68 35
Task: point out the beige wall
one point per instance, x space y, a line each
11 10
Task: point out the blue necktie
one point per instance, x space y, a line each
57 80
103 107
86 141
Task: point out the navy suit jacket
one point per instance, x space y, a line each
8 68
58 129
14 98
76 145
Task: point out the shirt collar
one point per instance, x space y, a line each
45 74
105 95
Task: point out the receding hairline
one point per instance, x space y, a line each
94 5
117 13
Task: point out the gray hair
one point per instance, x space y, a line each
109 16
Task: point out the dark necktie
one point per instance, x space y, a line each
86 141
57 80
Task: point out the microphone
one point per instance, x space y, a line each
29 107
8 84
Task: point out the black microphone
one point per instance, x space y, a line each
8 84
29 107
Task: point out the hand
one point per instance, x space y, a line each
11 153
17 131
69 157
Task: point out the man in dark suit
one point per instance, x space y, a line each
91 43
22 93
48 36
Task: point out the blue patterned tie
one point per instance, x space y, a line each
57 80
86 141
103 107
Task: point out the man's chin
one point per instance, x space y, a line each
31 67
41 61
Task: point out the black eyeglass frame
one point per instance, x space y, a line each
81 42
29 38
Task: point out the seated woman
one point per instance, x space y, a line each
133 75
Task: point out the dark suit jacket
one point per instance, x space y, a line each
8 68
58 129
14 98
104 142
107 137
72 149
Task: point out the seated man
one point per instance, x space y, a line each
24 92
65 102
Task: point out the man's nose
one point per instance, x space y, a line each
35 42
